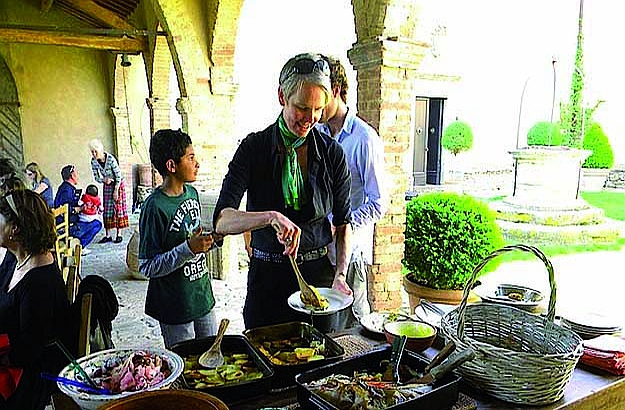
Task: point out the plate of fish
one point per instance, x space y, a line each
337 301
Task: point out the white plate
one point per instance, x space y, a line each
374 321
338 301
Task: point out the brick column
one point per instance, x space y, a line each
386 72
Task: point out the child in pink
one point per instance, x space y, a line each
91 205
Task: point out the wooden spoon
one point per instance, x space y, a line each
213 357
307 294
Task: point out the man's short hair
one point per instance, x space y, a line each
305 68
338 76
165 145
66 172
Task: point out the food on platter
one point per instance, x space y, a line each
318 302
237 368
139 371
292 351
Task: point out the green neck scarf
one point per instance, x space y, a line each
292 180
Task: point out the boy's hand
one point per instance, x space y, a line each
202 241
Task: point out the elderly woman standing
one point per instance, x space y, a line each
34 309
106 171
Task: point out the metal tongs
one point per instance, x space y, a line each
392 370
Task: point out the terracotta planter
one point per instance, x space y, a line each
416 292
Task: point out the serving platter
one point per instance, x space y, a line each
375 321
338 301
517 296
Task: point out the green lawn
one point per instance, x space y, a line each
613 203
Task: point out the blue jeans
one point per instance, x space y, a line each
85 231
201 327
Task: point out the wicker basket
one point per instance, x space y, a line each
520 357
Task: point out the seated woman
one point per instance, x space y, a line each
40 183
34 309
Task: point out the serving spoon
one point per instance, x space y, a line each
213 357
307 294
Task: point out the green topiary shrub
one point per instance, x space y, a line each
544 133
446 236
602 156
457 137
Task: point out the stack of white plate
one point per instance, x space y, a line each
590 325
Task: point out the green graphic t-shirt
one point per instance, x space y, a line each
185 294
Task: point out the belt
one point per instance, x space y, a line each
274 257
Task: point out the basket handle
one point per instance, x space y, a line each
551 311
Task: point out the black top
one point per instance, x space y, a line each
257 168
33 314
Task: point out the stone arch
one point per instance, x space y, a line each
202 38
11 144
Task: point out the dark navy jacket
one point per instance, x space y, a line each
257 168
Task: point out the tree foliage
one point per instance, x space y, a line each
457 137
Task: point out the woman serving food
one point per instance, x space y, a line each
294 177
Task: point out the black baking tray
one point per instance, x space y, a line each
443 395
230 393
284 375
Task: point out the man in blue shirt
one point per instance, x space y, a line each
69 194
364 151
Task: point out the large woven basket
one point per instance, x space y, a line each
520 357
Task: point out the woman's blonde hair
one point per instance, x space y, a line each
34 168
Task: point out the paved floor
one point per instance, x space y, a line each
586 282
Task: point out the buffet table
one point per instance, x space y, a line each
588 389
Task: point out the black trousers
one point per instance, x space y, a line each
269 285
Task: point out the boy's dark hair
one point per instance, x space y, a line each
165 145
92 190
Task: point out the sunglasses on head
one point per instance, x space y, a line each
307 66
11 203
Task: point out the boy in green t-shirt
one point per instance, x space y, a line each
172 244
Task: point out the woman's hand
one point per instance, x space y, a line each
108 180
287 233
340 283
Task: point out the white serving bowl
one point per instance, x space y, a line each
90 363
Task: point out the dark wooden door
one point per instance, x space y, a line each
10 126
434 146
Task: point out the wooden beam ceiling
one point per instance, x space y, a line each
99 13
116 44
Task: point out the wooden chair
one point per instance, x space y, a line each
61 218
84 331
67 258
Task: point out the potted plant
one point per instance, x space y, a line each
457 137
597 165
447 235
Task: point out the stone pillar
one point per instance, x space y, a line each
386 73
205 119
